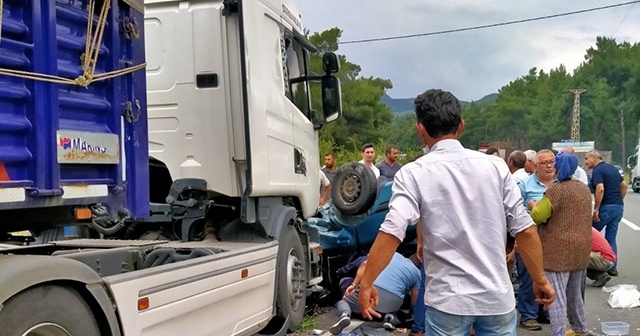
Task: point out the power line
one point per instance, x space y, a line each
623 19
457 30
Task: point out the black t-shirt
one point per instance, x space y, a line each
610 177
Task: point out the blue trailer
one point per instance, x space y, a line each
140 191
77 144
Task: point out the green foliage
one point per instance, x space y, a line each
308 323
345 154
365 117
536 109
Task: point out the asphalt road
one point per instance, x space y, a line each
597 308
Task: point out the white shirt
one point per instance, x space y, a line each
324 181
520 175
373 167
581 175
467 202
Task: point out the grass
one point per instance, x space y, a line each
308 323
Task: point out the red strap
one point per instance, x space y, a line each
4 177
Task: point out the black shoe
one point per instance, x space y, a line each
601 280
389 322
342 323
613 272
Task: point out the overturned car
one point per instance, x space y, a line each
348 227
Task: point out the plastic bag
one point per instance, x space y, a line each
623 296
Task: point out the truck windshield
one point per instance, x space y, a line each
295 66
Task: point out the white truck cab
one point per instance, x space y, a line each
229 104
224 105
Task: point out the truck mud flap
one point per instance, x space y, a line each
281 332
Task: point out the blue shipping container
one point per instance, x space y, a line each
65 144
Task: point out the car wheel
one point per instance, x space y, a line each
353 189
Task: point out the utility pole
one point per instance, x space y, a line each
575 122
623 160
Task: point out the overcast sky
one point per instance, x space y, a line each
469 64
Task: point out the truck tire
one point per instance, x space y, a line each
353 189
49 310
292 278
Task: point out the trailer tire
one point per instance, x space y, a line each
292 278
354 188
47 310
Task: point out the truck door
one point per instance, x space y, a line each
282 147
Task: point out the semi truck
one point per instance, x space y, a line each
166 201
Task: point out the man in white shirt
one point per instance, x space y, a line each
466 204
580 174
368 155
516 162
325 188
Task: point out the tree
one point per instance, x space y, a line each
536 109
365 118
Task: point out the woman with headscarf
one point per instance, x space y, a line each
563 216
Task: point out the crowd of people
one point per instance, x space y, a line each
477 217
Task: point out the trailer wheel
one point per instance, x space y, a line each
292 278
48 310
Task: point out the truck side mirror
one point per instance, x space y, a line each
331 98
330 63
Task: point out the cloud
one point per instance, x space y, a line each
470 64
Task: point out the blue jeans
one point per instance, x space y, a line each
439 323
527 305
418 310
610 216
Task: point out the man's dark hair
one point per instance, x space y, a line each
367 145
389 148
518 158
491 150
439 112
331 153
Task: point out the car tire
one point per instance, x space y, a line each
353 189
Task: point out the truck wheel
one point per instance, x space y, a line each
292 278
48 310
635 190
353 188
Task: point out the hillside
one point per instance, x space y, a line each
402 105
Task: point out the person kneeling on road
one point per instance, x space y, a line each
602 260
400 277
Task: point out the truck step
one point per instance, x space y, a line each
225 246
106 243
